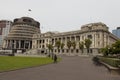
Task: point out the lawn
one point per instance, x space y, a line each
12 63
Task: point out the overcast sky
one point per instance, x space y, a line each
63 15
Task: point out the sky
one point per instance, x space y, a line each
63 15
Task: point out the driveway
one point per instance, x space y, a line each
70 68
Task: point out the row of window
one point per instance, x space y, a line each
24 29
25 32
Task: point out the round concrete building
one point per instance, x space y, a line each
20 36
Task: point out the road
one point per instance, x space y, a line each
70 68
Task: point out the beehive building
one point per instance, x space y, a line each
21 33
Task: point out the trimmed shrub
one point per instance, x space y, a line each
96 61
111 61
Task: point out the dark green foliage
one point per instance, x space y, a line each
105 51
69 44
88 43
62 45
58 44
111 50
95 59
50 47
111 61
81 46
73 44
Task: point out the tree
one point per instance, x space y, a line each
105 51
88 42
50 47
81 46
113 49
62 45
69 44
73 44
116 47
58 44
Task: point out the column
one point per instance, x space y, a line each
10 44
65 42
75 39
29 45
14 44
24 45
19 44
6 44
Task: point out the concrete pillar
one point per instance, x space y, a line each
37 44
29 45
19 44
6 44
14 44
70 38
10 44
65 42
75 38
24 44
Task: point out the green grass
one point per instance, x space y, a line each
12 63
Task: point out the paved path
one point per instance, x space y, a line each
70 68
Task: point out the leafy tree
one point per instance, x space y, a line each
88 42
116 44
50 47
58 44
69 44
73 44
116 47
81 46
62 45
113 49
105 51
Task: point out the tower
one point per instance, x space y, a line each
20 36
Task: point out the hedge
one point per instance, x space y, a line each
111 61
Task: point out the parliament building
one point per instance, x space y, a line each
25 35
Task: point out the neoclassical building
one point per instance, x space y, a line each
21 33
25 36
98 33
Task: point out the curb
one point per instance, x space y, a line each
111 69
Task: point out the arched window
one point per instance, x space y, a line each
15 20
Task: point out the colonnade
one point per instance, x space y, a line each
17 44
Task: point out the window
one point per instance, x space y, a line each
77 50
98 35
89 36
63 51
43 46
82 37
71 50
55 50
67 50
98 43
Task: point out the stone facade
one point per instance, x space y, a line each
5 26
20 36
97 32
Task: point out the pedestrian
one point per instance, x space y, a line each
55 58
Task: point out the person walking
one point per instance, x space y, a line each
55 58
